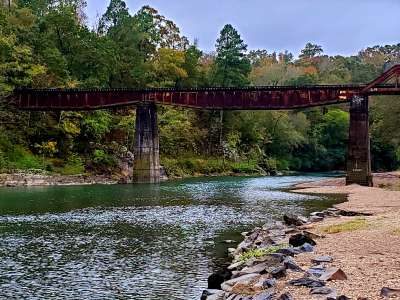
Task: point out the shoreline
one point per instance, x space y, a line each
37 179
357 241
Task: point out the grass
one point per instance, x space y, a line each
189 166
254 253
396 231
353 225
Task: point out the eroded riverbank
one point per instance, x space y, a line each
355 256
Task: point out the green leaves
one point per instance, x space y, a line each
232 67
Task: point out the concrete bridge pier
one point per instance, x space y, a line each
146 167
358 155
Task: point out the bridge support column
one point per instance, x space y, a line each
358 155
146 167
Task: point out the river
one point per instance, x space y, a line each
133 241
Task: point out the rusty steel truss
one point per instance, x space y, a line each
249 98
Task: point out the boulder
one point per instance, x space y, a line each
294 220
285 296
290 264
388 292
227 286
305 248
266 295
211 294
316 271
258 268
269 283
312 235
307 282
322 259
236 265
300 239
216 279
278 272
322 291
333 274
343 297
289 251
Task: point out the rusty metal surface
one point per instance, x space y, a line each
250 98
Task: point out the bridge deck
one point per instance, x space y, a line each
251 98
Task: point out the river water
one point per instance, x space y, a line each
133 241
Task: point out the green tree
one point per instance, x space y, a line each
232 67
116 13
310 51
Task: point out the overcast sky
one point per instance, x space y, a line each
340 26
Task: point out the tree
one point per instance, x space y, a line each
310 51
116 13
232 67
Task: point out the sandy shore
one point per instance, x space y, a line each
370 254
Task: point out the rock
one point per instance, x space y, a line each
294 220
244 280
286 296
236 265
300 239
306 248
333 274
318 214
343 297
269 283
291 265
322 259
281 257
258 268
216 279
270 261
307 282
237 297
278 272
316 271
211 294
321 291
267 295
289 251
315 219
312 235
388 292
348 213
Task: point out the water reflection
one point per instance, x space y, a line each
134 241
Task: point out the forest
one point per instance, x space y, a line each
49 44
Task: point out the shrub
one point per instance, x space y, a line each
73 166
20 158
103 161
261 252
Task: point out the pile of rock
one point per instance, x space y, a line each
256 277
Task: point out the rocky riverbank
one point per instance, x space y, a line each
40 179
347 252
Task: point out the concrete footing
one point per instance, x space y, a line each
146 168
358 156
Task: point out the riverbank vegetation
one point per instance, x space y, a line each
48 43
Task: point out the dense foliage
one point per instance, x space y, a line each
47 43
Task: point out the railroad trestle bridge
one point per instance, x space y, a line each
147 162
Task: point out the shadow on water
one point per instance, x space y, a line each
134 241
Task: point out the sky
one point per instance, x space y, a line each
340 26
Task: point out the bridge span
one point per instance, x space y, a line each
147 165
